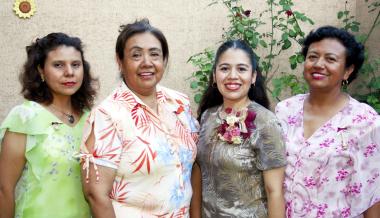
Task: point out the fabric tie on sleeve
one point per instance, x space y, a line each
87 158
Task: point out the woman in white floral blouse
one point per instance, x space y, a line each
141 139
333 141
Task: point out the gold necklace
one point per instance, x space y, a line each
70 117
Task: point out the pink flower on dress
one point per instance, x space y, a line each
352 189
346 212
350 162
321 210
342 174
308 206
370 149
326 143
293 120
372 180
359 118
310 182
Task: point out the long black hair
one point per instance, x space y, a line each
212 96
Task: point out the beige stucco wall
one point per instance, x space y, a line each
189 25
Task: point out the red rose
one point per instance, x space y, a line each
228 110
289 13
247 13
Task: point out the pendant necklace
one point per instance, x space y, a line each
70 117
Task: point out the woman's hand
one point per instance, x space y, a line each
196 199
97 192
12 162
273 182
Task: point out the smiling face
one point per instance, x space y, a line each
324 67
143 63
234 76
63 71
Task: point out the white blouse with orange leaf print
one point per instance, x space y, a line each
152 153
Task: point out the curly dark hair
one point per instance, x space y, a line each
212 97
354 49
139 26
34 89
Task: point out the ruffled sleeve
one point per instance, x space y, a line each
30 119
108 146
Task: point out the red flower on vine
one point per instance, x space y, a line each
247 13
289 13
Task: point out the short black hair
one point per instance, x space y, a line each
34 89
139 26
212 97
354 49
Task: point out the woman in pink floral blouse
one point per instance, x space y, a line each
139 143
333 141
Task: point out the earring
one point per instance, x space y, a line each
345 82
214 85
42 78
253 84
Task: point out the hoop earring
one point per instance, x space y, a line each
214 85
345 82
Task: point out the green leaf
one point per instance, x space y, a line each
293 66
293 59
355 28
292 33
286 44
340 14
300 59
375 83
240 28
248 33
263 43
197 98
310 21
284 36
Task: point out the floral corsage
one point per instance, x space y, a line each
235 126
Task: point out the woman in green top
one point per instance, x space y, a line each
39 175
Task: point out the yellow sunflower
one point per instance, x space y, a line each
24 8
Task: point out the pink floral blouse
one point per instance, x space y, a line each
152 153
335 172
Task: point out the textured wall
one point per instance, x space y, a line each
189 25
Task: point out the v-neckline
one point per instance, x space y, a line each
57 118
324 124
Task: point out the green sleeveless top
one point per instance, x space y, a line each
50 185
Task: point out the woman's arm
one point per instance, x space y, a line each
373 212
273 181
97 192
196 200
12 162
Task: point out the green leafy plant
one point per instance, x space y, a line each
367 89
285 34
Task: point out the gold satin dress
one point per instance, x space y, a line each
232 174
